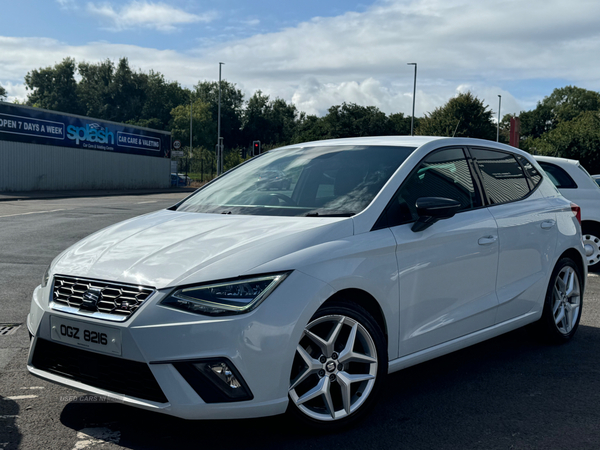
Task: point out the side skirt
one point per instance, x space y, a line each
462 342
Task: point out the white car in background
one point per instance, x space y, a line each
243 302
596 179
577 185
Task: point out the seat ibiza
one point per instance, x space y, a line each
383 252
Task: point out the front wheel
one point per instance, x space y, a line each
339 367
563 304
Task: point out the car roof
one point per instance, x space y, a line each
553 159
406 141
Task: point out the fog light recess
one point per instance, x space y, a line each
215 380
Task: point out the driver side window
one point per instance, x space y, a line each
444 173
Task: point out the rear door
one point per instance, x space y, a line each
527 230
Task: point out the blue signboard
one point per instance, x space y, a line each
40 126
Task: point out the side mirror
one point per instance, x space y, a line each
432 209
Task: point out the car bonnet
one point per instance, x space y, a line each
170 248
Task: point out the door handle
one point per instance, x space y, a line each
547 224
487 240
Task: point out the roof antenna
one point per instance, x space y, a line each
456 127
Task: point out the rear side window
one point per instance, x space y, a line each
444 173
534 175
502 176
558 176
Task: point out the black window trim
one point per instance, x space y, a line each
382 221
514 155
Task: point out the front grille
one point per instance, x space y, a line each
118 375
118 301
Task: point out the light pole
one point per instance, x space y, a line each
498 126
412 119
219 145
187 166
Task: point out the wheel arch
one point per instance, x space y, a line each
366 301
574 255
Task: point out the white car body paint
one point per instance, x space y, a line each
461 281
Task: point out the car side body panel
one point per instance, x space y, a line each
527 232
447 278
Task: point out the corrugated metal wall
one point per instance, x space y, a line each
33 167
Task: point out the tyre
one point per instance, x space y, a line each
591 240
563 304
340 365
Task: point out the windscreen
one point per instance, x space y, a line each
302 181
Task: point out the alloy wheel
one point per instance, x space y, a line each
566 300
335 368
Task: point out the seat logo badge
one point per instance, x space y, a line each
91 297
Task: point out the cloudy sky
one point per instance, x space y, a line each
318 53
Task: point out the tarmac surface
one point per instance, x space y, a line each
41 195
511 392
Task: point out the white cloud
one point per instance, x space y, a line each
493 47
159 16
67 4
14 91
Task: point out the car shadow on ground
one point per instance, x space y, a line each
509 392
10 438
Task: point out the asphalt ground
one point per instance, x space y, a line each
511 392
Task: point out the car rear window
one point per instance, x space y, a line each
558 176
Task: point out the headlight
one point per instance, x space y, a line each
46 277
225 298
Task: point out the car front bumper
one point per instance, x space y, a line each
260 345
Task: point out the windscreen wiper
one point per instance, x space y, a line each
316 214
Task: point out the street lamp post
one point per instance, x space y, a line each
219 140
187 166
412 119
498 126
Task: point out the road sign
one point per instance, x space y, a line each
177 153
177 144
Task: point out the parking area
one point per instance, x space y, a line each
509 392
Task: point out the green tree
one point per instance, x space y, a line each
201 121
564 104
270 121
464 115
399 124
232 102
54 88
574 139
94 89
3 94
309 128
128 93
120 94
352 120
161 97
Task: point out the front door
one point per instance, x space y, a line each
447 273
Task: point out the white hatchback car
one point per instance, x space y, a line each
239 302
577 185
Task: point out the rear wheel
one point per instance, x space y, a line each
339 367
564 299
